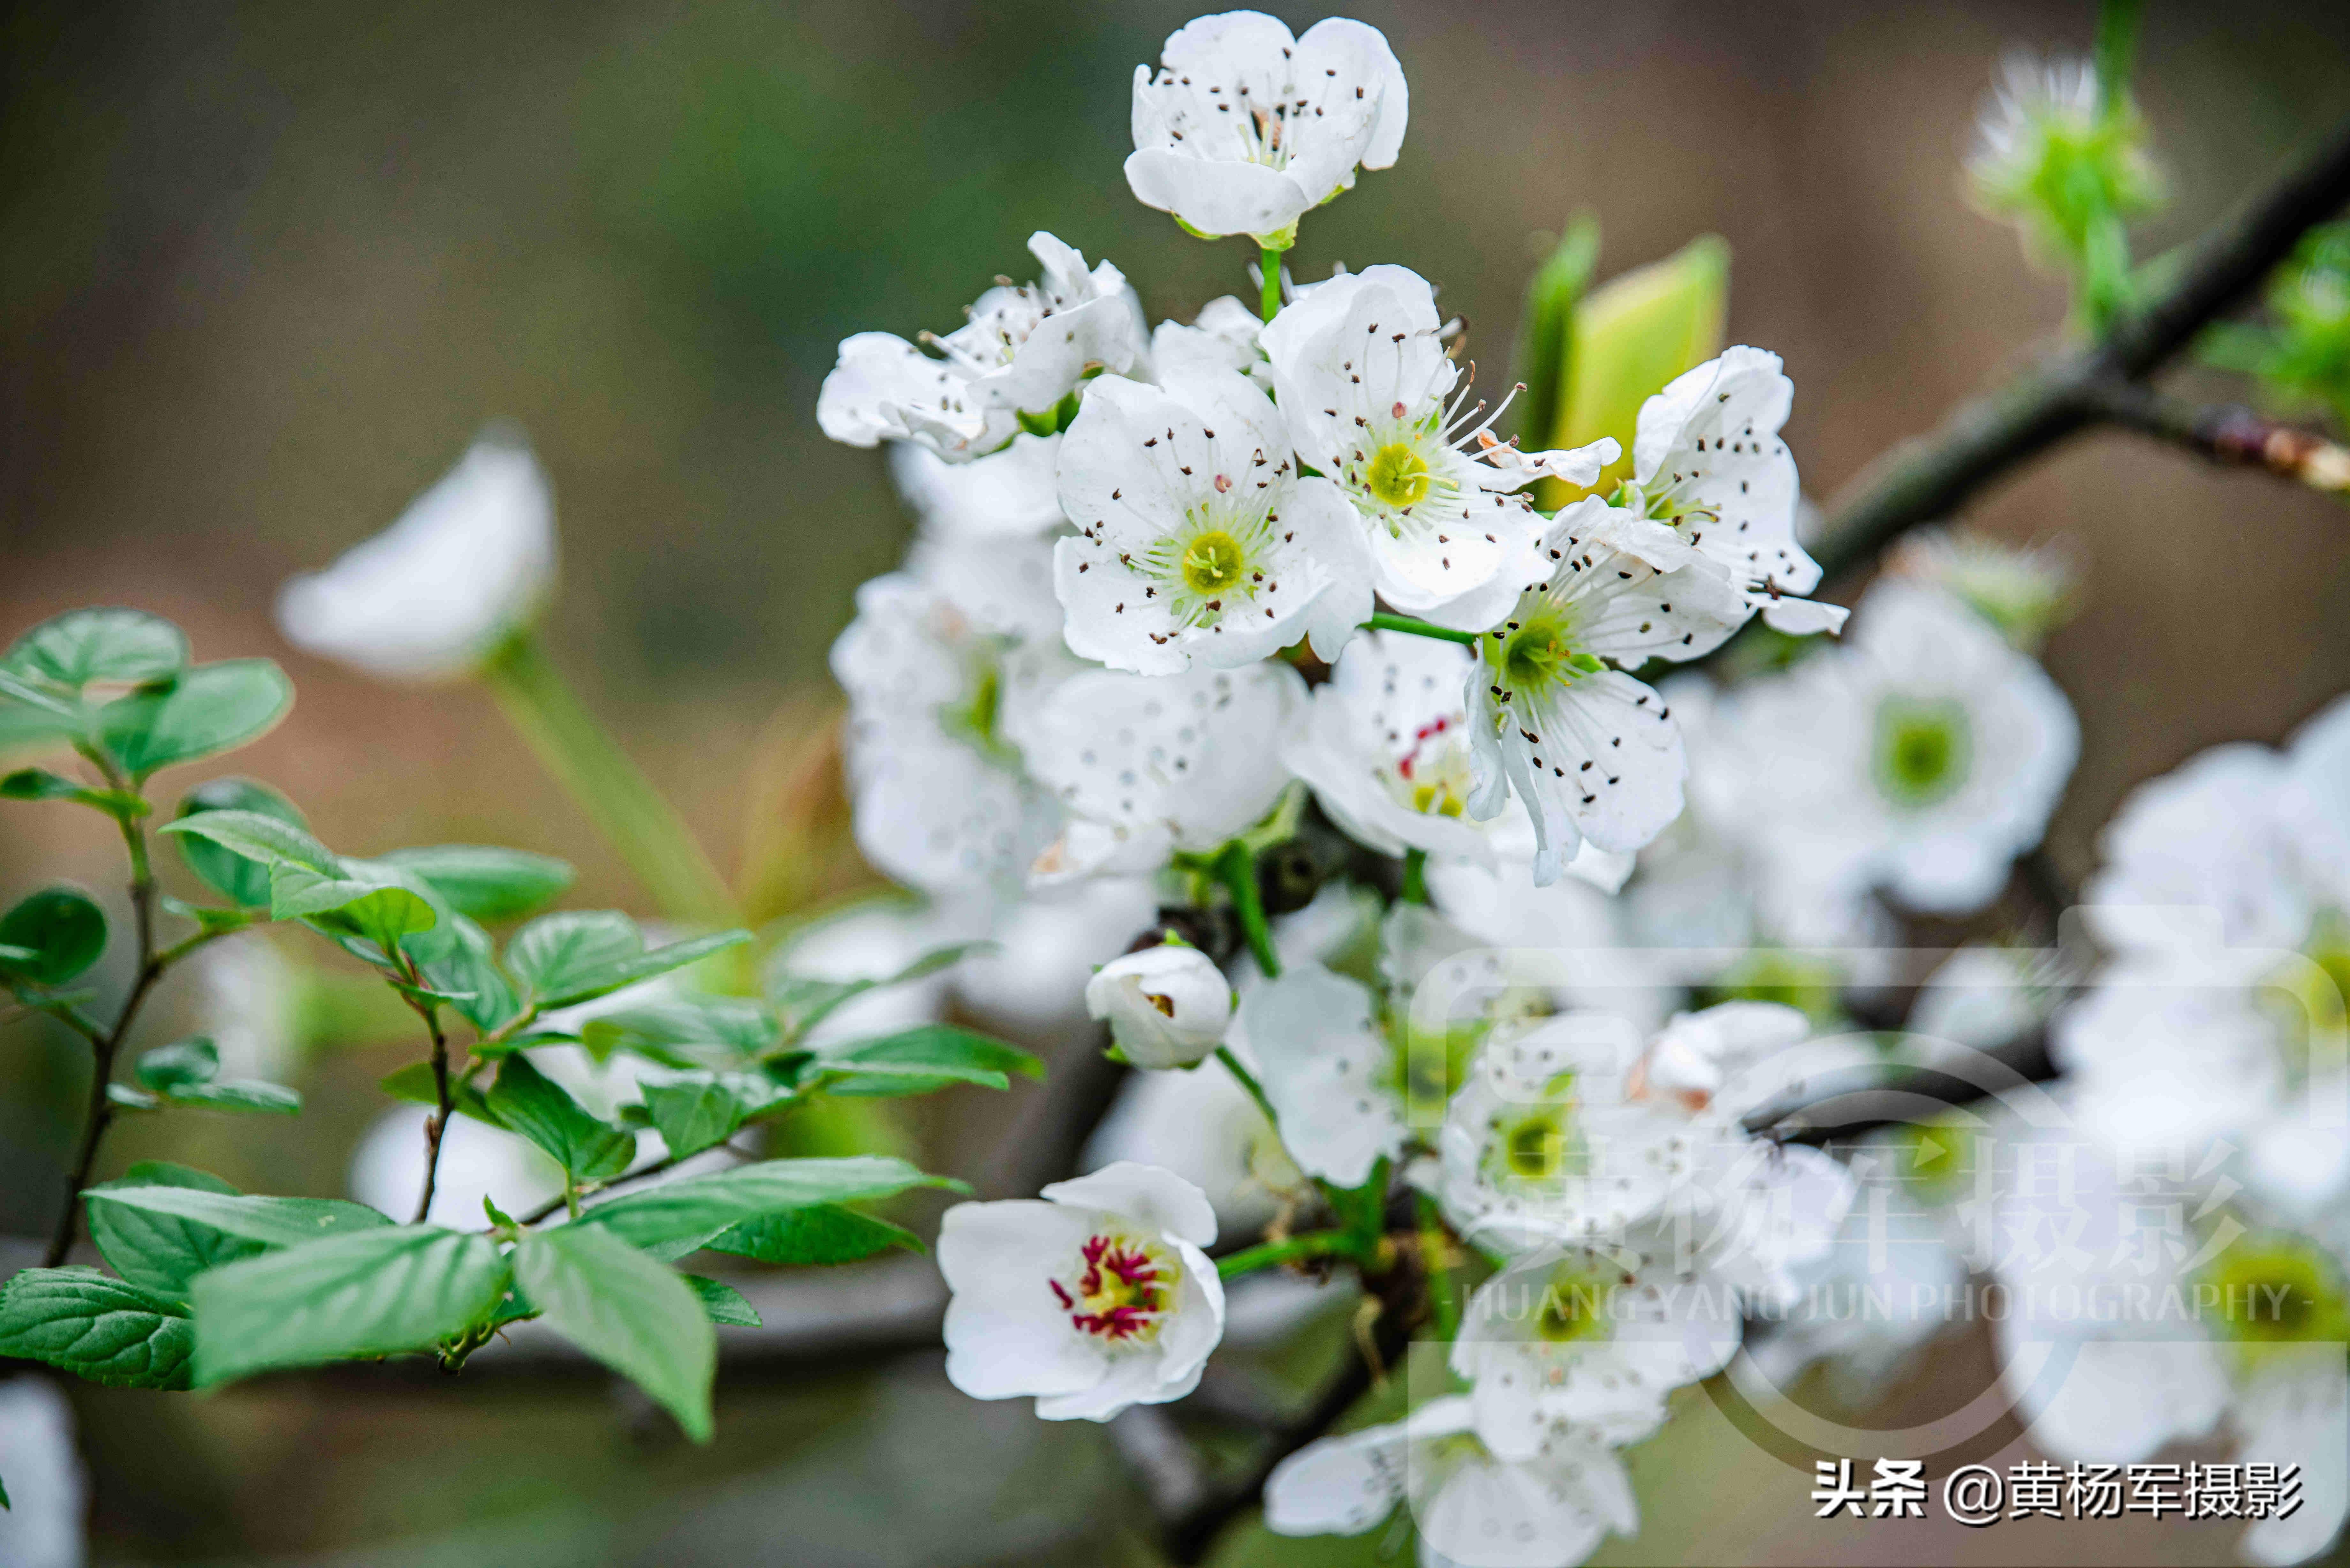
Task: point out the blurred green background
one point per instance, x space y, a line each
268 267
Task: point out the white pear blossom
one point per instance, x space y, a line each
941 666
1092 1297
1145 766
1224 336
49 1493
1334 1077
1590 752
1026 348
1168 1006
1368 391
1243 128
1197 540
1706 461
434 595
1922 755
1549 1509
1007 494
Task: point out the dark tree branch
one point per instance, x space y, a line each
1930 477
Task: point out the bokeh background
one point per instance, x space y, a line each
266 269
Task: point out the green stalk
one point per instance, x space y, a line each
1384 621
1269 264
1314 1244
616 797
1237 866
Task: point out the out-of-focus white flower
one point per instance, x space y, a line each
1148 765
1222 337
941 665
1363 383
1474 1510
1007 494
433 596
1334 1079
1026 348
1197 541
1592 752
1923 754
2025 591
1244 128
477 1162
1203 1127
1093 1297
1168 1006
48 1491
1706 461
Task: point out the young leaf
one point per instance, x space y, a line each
195 1060
272 1222
825 1233
580 954
919 1060
162 1252
487 883
723 1304
627 1312
376 1291
531 1104
106 1330
208 709
243 880
127 647
57 933
39 784
705 1205
237 1095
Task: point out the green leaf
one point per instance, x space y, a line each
126 647
703 1206
825 1233
195 1060
678 1033
694 1111
919 1060
237 1095
209 708
272 1222
487 883
414 1084
39 784
723 1304
242 878
579 954
108 1331
627 1312
162 1252
535 1105
1632 334
376 1291
63 929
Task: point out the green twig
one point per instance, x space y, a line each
1384 621
616 797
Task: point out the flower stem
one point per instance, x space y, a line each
616 796
1269 264
1237 866
1314 1244
1384 621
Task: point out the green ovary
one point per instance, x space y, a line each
1213 564
2278 1289
1398 475
1923 750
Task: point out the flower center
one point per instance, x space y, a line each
1213 564
1923 750
1123 1291
1398 475
2278 1289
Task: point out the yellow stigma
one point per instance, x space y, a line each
1398 475
1213 564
